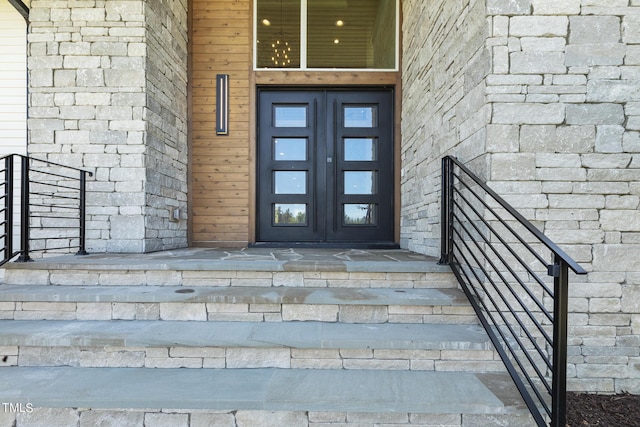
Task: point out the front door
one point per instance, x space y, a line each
325 166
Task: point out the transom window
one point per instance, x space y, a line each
326 34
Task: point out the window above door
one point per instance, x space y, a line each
326 34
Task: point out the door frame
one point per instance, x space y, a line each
294 81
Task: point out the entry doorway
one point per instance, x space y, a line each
325 167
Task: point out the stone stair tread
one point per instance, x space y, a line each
260 389
273 260
250 295
303 335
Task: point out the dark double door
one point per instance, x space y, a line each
325 166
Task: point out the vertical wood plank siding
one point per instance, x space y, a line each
220 43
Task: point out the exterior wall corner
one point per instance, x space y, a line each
107 88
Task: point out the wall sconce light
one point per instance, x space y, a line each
222 104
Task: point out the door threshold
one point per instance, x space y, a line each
327 245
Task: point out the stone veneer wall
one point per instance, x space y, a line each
108 94
167 153
561 143
444 108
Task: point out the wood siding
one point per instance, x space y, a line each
220 165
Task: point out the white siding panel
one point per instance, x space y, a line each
13 80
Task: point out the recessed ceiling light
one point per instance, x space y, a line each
266 22
339 23
336 41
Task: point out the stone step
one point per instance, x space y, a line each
192 267
290 338
303 345
38 274
258 397
349 305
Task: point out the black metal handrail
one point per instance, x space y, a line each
502 262
52 197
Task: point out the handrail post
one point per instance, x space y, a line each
446 212
25 214
83 211
560 272
8 213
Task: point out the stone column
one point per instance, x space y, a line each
108 94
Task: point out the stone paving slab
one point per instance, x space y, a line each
245 295
254 389
315 335
248 259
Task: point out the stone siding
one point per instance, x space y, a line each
564 146
560 143
443 107
106 95
166 172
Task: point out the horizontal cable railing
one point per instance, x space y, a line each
517 280
42 207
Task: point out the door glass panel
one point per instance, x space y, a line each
278 34
289 214
360 117
359 182
290 117
290 149
287 182
359 214
360 149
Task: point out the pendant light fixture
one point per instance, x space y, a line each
281 49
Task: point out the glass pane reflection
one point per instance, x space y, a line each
351 34
287 149
360 214
360 149
343 34
289 214
287 182
278 34
290 117
360 117
361 182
